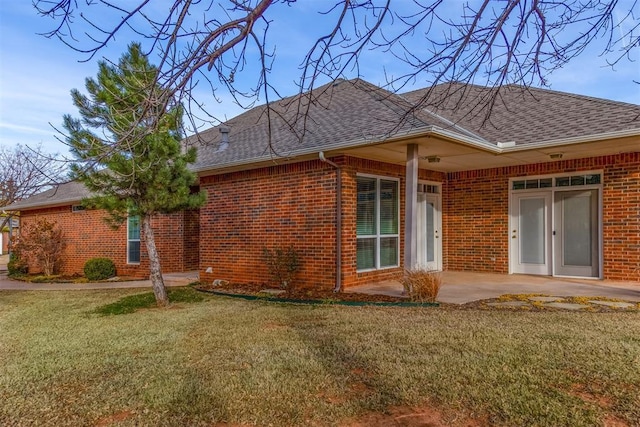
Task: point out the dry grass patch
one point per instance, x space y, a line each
421 284
251 363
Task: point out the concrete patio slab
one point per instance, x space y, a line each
461 287
565 305
615 304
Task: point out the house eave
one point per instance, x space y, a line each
431 131
563 142
19 207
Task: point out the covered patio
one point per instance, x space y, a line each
460 287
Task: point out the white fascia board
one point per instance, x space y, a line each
42 204
555 143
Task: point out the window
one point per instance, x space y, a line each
429 188
559 181
377 223
133 239
77 208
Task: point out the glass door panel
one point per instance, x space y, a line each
576 234
429 222
530 232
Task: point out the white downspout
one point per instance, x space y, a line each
338 286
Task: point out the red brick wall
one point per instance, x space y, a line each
476 215
191 240
88 236
621 212
354 166
295 205
270 207
475 221
283 205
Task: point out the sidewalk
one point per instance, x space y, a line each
170 279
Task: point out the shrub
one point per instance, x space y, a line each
41 245
282 264
421 284
99 269
16 266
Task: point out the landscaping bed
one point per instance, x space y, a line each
525 302
305 295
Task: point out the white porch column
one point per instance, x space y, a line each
411 206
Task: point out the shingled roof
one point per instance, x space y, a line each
354 113
63 194
343 113
525 115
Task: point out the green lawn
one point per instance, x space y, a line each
223 360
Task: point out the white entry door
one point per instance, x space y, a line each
429 231
530 233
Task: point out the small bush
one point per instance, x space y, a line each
421 284
40 245
99 269
282 264
17 266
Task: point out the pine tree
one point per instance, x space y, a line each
127 149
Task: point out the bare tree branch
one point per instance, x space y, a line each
26 171
210 42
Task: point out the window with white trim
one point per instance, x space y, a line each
377 223
133 239
574 180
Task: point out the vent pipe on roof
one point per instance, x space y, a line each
224 141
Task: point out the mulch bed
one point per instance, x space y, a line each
303 294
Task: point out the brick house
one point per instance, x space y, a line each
548 183
87 235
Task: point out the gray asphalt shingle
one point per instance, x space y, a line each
526 115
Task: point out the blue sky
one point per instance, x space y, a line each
36 73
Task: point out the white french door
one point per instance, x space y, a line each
576 234
555 232
531 233
429 254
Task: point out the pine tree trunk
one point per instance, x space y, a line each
155 272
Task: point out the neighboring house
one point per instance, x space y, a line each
87 235
548 183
